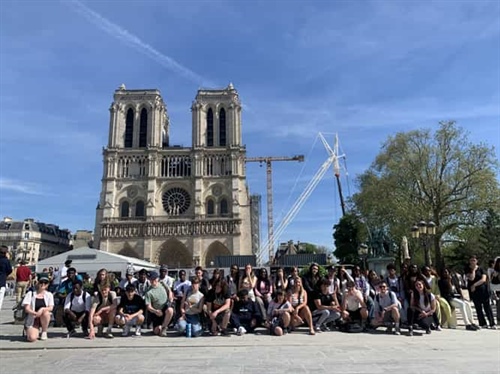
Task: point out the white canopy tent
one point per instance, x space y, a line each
90 260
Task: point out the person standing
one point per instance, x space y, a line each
5 270
23 278
477 284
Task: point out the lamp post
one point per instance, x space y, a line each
425 232
363 254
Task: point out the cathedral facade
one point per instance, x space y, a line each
169 204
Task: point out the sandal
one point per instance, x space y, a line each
312 332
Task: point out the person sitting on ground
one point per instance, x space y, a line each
130 311
297 297
422 309
353 305
263 291
218 303
453 295
280 283
102 312
245 316
76 309
191 310
326 307
279 314
129 278
386 309
159 305
395 284
444 313
216 275
38 305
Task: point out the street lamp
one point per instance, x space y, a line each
425 231
363 253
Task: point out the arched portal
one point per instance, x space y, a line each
215 249
174 254
128 251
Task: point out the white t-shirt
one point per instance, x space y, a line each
421 303
78 305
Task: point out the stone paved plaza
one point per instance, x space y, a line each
449 351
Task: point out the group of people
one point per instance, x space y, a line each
243 301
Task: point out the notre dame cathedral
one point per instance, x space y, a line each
169 204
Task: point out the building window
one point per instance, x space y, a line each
25 244
222 128
26 235
223 207
124 209
210 128
139 209
143 129
129 129
210 207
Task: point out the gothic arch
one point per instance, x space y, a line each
143 128
129 128
215 249
222 127
210 127
174 254
128 251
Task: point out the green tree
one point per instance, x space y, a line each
489 239
439 176
348 235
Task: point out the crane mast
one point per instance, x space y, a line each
268 160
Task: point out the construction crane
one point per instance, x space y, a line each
332 159
268 161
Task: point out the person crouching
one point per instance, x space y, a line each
246 313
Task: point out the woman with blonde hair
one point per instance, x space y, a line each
297 297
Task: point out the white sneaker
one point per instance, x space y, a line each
163 332
138 331
44 336
241 331
126 330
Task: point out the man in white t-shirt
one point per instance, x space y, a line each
164 278
76 309
386 309
64 270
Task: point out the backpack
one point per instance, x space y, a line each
393 300
352 328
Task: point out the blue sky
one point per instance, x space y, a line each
362 69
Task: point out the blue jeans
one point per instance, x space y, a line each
194 320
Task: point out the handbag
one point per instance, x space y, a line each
495 278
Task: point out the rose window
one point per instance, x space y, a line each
176 201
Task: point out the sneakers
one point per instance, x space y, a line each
241 331
126 330
44 335
108 334
397 332
317 329
470 328
138 331
224 332
389 330
410 332
100 330
71 333
428 331
163 332
438 328
493 327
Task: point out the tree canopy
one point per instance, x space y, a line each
439 176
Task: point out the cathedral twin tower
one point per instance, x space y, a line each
168 204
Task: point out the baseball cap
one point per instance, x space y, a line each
164 268
154 275
43 277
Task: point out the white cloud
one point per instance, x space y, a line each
133 41
21 187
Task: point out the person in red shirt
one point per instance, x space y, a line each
23 278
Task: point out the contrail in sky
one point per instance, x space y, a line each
120 33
